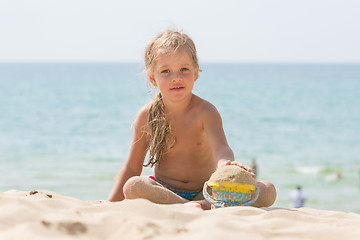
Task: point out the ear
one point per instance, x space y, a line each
196 74
152 79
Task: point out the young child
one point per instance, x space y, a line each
182 132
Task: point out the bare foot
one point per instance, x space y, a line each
193 204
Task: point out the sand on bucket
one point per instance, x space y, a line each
230 185
232 173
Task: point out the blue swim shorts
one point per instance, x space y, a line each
184 194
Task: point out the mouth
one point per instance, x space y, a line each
177 88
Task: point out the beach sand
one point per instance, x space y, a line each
44 214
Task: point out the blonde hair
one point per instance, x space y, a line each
159 129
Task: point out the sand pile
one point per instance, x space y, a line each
232 173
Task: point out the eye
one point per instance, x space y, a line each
184 69
165 71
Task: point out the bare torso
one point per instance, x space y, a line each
189 163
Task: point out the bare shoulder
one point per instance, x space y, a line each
205 107
142 116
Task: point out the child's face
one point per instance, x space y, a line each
174 74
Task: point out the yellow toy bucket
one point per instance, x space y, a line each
226 194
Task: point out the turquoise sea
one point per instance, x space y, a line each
66 127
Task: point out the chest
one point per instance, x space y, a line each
189 132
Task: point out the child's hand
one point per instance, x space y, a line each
240 165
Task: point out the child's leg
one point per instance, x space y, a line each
144 187
267 194
199 199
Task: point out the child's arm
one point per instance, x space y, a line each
222 153
134 163
216 136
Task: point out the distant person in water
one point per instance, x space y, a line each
254 166
297 198
338 175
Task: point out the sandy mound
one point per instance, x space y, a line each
232 173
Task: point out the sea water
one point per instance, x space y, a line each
66 127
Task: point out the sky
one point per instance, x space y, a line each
223 31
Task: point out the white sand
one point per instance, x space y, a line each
48 215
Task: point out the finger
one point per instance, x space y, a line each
228 162
246 168
237 164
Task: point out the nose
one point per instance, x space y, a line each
176 77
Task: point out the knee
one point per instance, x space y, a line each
267 195
270 193
132 187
